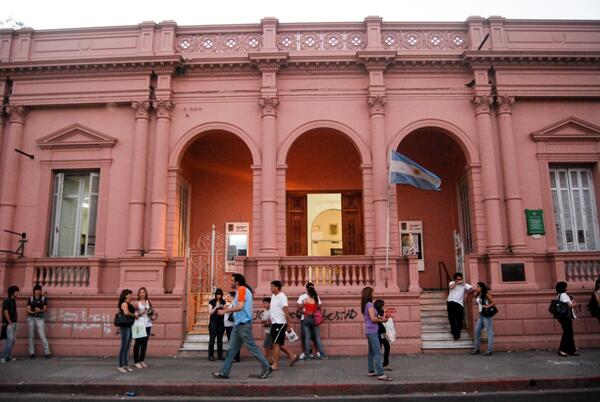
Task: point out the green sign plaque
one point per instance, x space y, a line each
535 221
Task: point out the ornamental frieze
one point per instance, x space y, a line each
321 41
219 43
424 40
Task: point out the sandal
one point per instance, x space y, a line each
294 360
372 374
384 378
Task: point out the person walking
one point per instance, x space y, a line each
455 304
567 342
279 314
228 320
127 309
266 323
144 310
9 320
484 300
312 331
36 310
216 326
242 329
371 331
379 304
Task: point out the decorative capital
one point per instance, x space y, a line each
481 104
376 104
164 107
503 103
269 105
141 108
16 113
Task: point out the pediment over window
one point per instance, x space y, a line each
76 136
569 129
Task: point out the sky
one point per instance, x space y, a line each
45 14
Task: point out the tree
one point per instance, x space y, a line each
10 22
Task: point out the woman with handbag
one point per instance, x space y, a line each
567 342
371 331
312 331
128 316
144 310
487 310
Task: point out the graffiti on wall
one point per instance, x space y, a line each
343 314
80 320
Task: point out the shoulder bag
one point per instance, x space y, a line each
489 311
559 309
122 320
317 316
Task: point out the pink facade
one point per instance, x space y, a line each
145 136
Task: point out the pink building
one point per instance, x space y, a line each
144 137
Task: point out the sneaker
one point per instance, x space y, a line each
32 356
265 373
302 356
475 352
128 368
488 353
122 369
48 356
218 374
323 357
318 355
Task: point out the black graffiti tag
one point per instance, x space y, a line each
345 314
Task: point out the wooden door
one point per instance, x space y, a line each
297 239
352 226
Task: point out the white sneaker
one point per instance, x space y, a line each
302 356
319 355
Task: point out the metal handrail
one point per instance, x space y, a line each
440 266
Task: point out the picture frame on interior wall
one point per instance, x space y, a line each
333 229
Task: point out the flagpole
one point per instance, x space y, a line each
387 226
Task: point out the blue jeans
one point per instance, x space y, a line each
374 358
242 334
125 342
312 332
9 342
487 322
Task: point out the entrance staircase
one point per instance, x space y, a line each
196 340
435 328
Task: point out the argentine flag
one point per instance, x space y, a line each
406 171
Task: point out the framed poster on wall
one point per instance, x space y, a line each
236 242
411 240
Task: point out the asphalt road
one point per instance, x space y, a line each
528 396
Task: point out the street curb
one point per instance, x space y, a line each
234 389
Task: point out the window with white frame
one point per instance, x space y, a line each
574 205
74 212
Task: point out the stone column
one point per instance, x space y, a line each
269 106
158 226
510 170
137 195
380 180
489 178
9 174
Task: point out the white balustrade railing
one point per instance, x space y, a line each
327 272
582 270
62 276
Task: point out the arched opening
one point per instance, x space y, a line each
215 188
428 220
324 174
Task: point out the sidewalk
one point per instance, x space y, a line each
340 375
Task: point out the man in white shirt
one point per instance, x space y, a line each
279 314
455 304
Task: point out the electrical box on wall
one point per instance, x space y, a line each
411 240
236 242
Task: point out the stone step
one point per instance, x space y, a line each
462 344
433 313
435 328
434 307
434 320
434 295
444 336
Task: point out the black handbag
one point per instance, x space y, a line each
489 311
122 320
559 309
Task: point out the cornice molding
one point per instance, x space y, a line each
570 58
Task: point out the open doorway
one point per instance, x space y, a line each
324 224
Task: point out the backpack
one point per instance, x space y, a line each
593 306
